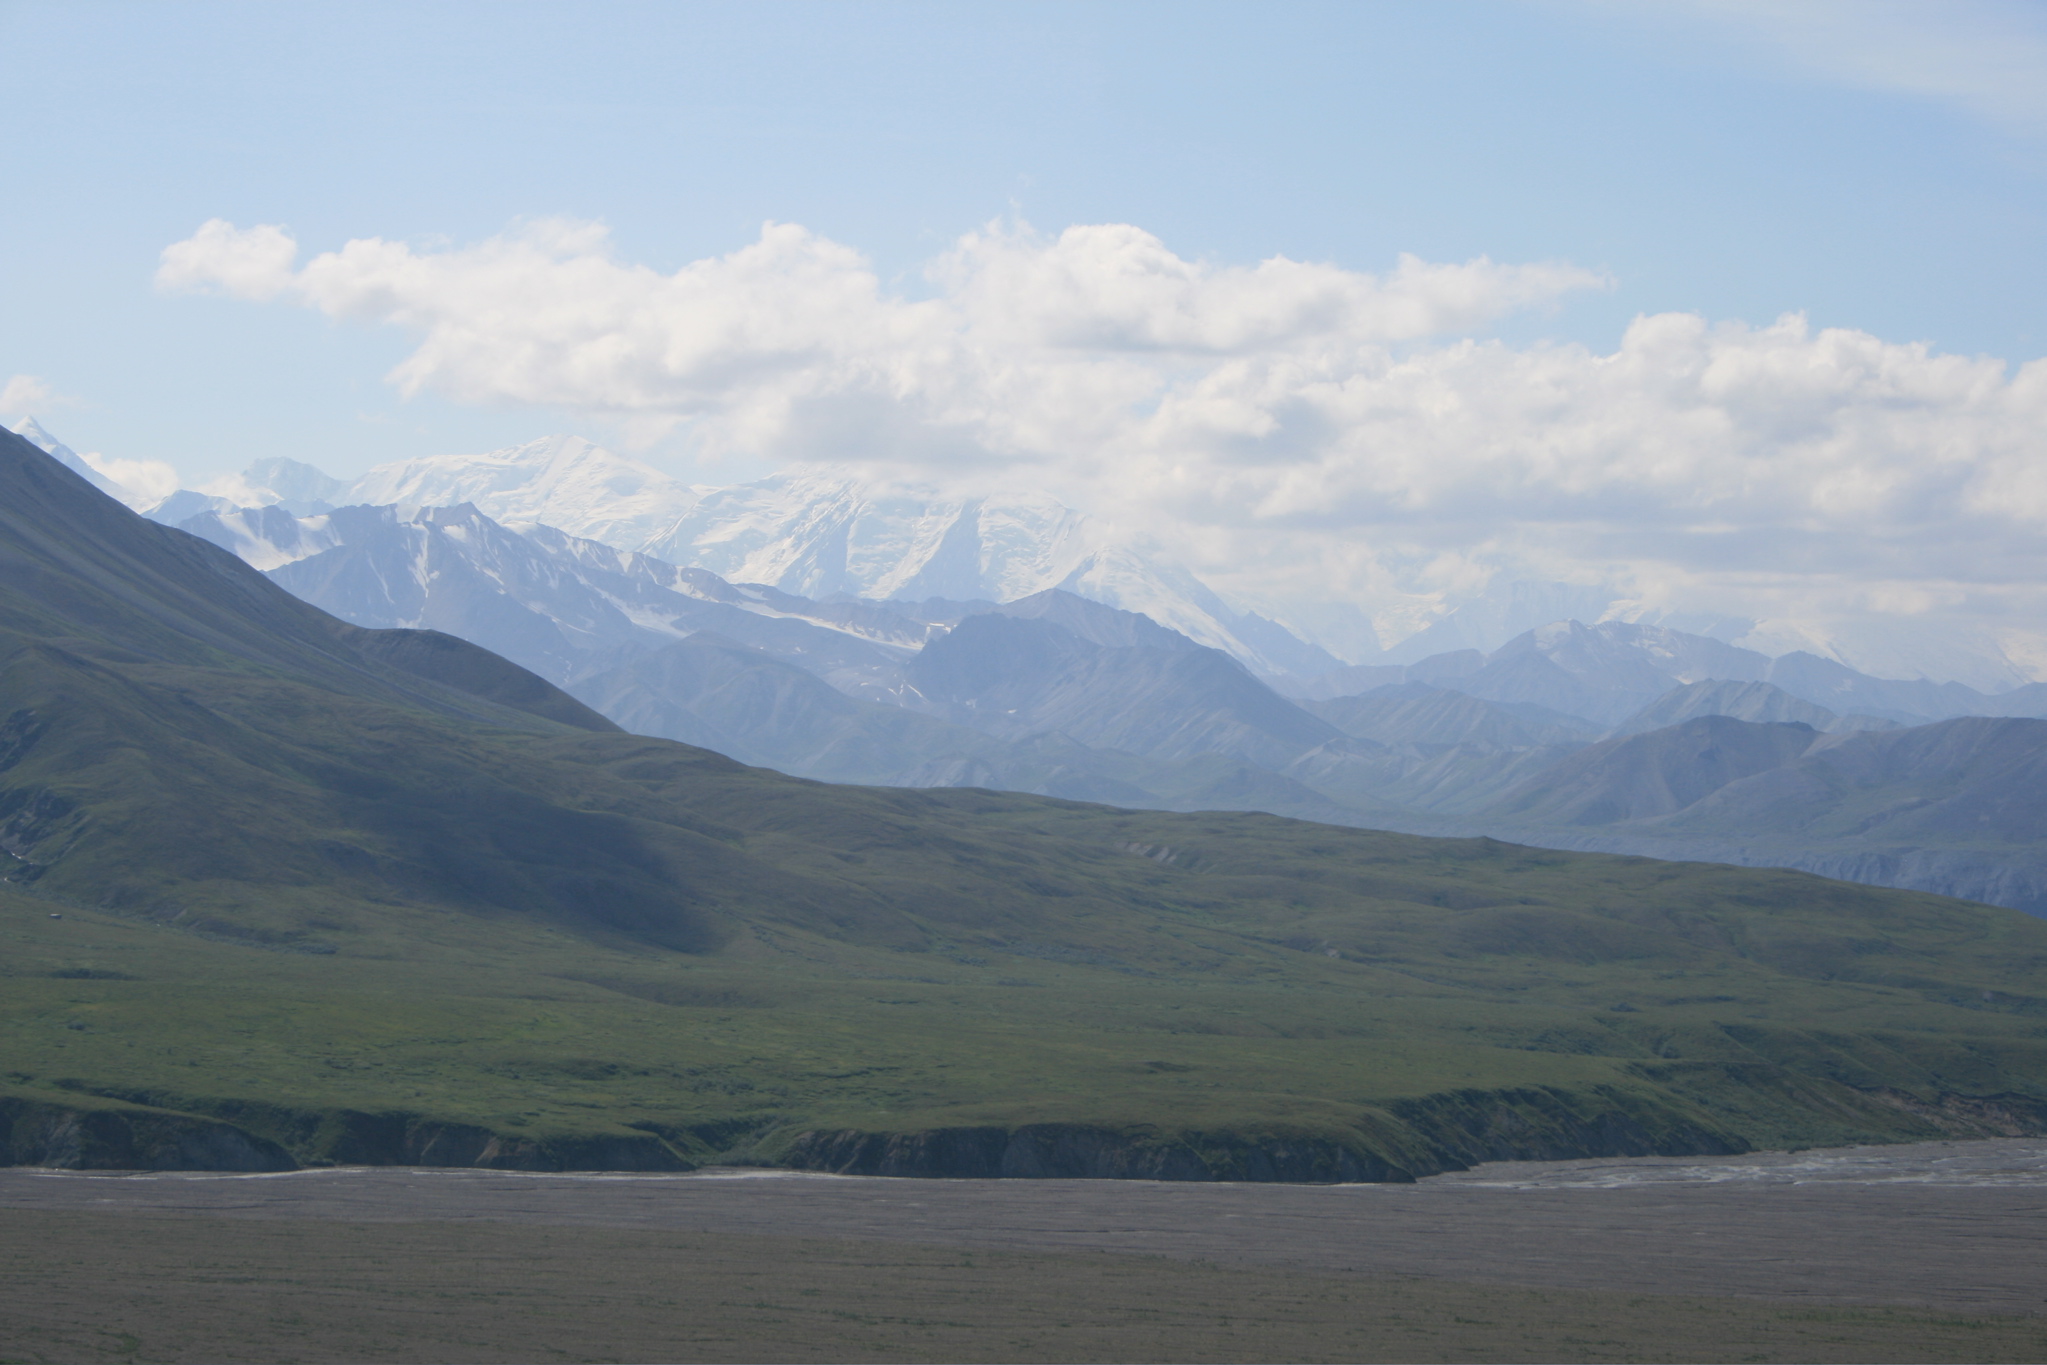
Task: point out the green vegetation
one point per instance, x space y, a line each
1770 1008
333 890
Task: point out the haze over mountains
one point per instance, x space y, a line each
820 533
834 634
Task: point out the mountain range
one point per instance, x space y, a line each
282 889
1060 695
1053 692
824 535
821 533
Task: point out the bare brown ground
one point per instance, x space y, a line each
429 1266
154 1287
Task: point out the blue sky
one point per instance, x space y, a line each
1708 164
1024 243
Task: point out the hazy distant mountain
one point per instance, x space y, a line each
1509 607
1608 672
715 692
297 487
1955 807
1753 701
1092 621
1014 675
1647 775
1422 714
1975 778
779 680
722 695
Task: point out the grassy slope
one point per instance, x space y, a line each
1219 1011
292 886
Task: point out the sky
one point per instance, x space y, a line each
1734 308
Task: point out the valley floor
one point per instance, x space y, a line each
1932 1251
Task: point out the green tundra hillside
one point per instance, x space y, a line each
281 890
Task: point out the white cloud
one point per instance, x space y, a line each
1297 430
255 264
1030 345
142 483
24 394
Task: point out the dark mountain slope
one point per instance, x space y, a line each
469 668
264 878
1976 779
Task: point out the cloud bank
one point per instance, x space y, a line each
1299 431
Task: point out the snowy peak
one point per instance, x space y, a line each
816 533
32 431
297 487
821 532
555 603
560 481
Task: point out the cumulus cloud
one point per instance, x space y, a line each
139 483
1029 344
255 264
1297 427
23 394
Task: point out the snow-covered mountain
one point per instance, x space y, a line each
821 533
557 604
560 481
